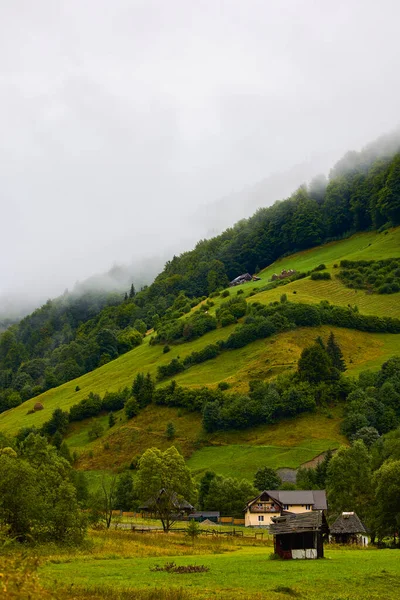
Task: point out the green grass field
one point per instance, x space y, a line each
237 571
236 459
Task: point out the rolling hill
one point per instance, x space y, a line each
287 444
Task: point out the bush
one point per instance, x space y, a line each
225 294
227 318
132 408
88 407
317 275
223 385
172 368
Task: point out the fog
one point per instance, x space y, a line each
124 123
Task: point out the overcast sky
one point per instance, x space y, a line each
120 117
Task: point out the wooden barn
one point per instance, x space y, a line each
348 529
299 535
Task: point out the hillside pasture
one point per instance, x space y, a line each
243 461
288 443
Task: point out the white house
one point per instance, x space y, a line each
272 503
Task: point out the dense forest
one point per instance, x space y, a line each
73 335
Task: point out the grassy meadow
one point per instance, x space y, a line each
121 562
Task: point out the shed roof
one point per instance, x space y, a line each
348 522
298 523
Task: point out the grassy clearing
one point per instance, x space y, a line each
238 568
232 460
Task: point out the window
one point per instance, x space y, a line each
308 506
261 517
286 507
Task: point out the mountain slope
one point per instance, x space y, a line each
286 444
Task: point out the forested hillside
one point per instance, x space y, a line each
68 337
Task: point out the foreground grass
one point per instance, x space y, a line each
238 568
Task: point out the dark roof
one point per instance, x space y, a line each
298 523
317 498
179 504
348 522
244 276
205 513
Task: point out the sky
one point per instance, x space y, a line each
119 120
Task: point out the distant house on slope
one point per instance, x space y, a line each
299 535
240 279
272 503
348 529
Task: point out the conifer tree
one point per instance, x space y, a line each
335 353
132 291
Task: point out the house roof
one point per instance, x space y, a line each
205 513
348 522
179 504
243 276
298 523
316 498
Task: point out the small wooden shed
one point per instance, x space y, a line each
299 535
348 529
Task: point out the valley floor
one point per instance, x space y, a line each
238 568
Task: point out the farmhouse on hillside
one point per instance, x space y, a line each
243 279
272 503
299 535
348 529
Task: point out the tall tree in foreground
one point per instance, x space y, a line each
163 482
102 502
349 480
386 507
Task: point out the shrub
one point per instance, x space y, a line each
318 275
321 267
132 408
227 318
225 294
170 431
223 385
88 407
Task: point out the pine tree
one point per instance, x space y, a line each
335 353
111 419
132 292
170 431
